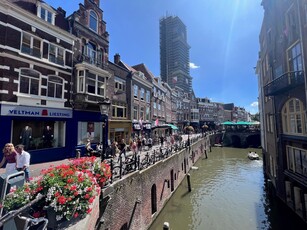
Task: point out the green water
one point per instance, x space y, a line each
228 192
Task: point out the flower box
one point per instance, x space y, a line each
71 192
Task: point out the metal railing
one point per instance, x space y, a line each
285 82
134 161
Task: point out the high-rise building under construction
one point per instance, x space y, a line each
174 53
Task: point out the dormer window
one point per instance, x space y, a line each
46 13
93 21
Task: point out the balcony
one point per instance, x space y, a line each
284 83
91 60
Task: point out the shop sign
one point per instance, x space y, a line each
28 111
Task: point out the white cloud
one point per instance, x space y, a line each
193 66
254 104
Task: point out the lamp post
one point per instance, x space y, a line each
104 107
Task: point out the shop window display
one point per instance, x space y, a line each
39 134
89 131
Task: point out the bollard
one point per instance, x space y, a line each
189 182
165 226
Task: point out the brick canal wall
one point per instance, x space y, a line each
135 201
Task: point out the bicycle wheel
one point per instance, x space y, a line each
116 172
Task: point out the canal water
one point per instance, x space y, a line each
228 192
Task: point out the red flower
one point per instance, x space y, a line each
87 196
89 210
76 215
91 200
73 188
61 200
57 194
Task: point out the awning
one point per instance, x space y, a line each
228 123
173 126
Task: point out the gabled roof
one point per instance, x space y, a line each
143 68
128 67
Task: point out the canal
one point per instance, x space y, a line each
228 192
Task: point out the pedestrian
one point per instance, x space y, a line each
134 147
23 161
144 142
149 143
114 148
122 148
10 157
139 143
161 140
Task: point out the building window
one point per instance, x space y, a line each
291 25
293 117
295 58
120 84
135 112
46 15
119 110
55 87
148 96
95 84
147 113
142 113
91 83
93 21
56 54
31 45
29 82
135 91
81 81
142 93
297 160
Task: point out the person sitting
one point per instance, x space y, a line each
88 148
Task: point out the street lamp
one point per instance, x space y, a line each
104 107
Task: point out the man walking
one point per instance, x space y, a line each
23 161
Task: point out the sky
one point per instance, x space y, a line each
223 36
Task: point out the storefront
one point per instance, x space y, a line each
119 130
41 130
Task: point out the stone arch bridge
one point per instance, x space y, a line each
237 139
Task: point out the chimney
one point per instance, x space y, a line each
97 2
116 58
61 11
